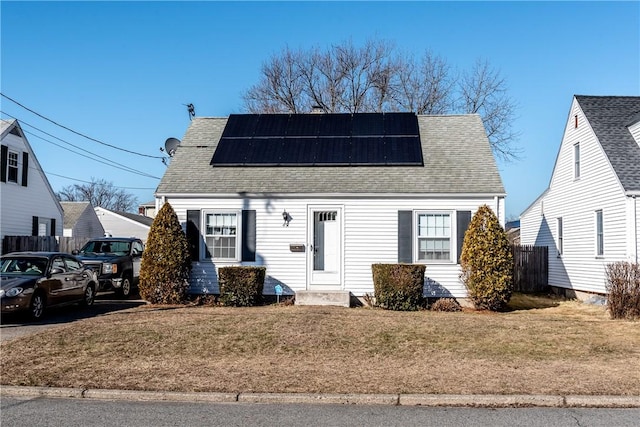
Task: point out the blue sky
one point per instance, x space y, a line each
120 72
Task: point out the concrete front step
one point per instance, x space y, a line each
339 298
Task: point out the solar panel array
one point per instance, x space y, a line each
364 139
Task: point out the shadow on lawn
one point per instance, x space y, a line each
521 301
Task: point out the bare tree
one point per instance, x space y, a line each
100 193
483 91
374 78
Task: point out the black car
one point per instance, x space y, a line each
33 281
116 260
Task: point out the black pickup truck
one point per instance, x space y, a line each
116 260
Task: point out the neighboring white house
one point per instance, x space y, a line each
124 224
589 216
29 206
80 220
319 198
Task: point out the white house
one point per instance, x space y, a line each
319 198
589 216
29 206
124 224
80 220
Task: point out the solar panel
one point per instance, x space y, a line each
272 125
367 124
364 139
304 124
400 124
335 125
240 125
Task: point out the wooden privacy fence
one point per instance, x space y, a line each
530 268
42 243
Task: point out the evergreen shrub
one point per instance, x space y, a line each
241 286
398 286
487 262
166 263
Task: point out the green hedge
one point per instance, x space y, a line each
398 286
241 286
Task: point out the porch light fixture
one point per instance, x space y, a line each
287 218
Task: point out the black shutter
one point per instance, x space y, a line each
248 235
193 234
405 240
53 226
34 226
462 224
5 158
25 168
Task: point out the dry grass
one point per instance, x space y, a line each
562 347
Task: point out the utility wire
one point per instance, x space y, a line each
100 159
91 182
78 133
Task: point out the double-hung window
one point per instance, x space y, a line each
221 235
434 236
599 233
12 167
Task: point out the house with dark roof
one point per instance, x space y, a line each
319 198
29 206
123 224
80 220
589 216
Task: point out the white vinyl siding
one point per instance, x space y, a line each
370 235
120 226
19 203
575 200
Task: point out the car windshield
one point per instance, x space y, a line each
112 247
22 265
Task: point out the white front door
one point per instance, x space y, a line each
325 248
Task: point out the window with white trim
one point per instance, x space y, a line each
599 233
433 236
560 236
221 235
576 160
12 167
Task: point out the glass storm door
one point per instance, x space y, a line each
325 250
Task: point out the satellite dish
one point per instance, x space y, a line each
170 145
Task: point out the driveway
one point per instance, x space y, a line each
18 325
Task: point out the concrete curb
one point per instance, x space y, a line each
431 400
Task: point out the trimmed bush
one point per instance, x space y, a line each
398 286
166 263
487 262
446 304
623 286
241 286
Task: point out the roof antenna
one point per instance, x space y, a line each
191 109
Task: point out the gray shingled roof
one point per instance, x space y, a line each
73 211
456 151
609 117
144 220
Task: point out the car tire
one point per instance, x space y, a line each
37 306
125 290
89 296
